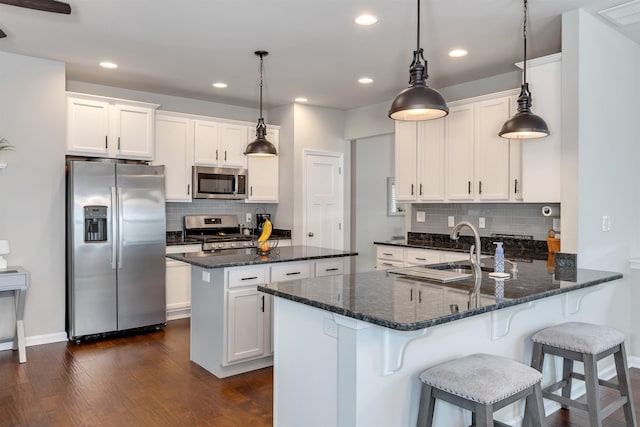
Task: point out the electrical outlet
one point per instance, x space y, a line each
481 222
248 218
206 276
606 223
421 216
451 222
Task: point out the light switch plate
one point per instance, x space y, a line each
206 276
421 216
248 218
606 223
451 221
481 222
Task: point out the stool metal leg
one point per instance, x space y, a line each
427 406
622 369
593 391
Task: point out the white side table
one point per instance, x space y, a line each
14 282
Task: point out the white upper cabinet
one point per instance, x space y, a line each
406 160
541 158
492 151
105 127
220 144
460 152
419 160
174 150
263 174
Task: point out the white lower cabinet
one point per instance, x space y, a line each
396 257
178 283
389 257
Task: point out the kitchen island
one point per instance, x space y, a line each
231 322
349 349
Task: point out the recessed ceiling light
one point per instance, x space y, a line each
220 85
458 53
301 99
106 64
366 19
365 80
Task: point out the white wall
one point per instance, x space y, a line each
373 164
600 110
33 119
284 213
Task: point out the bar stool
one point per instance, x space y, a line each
481 383
587 343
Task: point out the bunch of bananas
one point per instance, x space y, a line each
266 231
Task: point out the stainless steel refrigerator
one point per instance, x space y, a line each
116 234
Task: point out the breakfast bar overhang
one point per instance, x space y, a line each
348 349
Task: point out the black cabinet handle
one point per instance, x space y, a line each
106 139
411 295
249 278
480 187
515 187
118 143
216 154
188 188
293 273
420 297
412 189
421 189
331 269
225 155
262 308
469 187
421 259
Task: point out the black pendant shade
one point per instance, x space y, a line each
418 101
261 146
524 124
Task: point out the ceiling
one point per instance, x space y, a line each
181 47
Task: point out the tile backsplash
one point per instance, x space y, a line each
176 211
500 218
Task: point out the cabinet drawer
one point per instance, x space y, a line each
178 249
246 277
329 268
282 273
422 256
390 253
385 265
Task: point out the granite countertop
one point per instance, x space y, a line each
248 256
379 297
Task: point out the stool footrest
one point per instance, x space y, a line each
565 401
614 406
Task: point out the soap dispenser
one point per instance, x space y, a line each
499 258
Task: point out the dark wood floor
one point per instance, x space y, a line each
146 380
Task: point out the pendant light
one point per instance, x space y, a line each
418 101
261 146
524 124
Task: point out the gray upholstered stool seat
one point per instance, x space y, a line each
587 343
481 383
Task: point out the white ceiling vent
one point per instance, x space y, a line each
624 14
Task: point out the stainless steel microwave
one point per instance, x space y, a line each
219 183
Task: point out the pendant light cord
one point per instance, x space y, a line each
524 36
418 35
261 70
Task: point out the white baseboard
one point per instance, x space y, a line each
633 361
38 340
178 311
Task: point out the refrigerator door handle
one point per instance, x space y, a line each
120 226
114 227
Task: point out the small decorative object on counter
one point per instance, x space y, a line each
265 248
553 241
499 258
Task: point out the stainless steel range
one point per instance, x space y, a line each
216 231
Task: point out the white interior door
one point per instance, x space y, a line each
324 213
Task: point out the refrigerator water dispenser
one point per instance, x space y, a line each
95 223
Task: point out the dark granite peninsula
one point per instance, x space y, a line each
231 322
361 340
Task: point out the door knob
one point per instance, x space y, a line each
310 234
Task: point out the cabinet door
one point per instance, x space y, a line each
406 148
178 289
492 151
174 150
87 127
460 154
245 321
263 174
234 142
431 143
207 135
430 301
133 131
404 301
